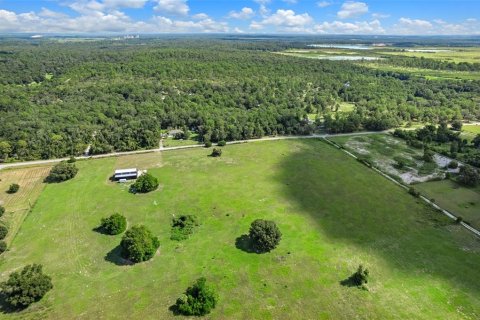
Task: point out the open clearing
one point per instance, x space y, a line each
464 202
17 205
384 150
334 214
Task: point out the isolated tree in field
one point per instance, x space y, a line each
208 144
198 300
139 244
216 152
14 187
145 183
2 210
3 231
265 235
469 176
62 172
27 286
115 224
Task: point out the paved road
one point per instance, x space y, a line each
161 148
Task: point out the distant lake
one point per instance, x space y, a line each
349 58
342 46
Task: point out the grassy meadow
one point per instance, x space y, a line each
334 214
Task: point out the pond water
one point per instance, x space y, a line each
347 58
342 46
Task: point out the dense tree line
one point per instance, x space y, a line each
119 96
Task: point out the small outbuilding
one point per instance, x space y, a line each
121 174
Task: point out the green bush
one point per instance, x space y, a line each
360 277
222 143
13 188
145 183
265 235
453 164
413 192
139 244
198 300
3 246
183 226
216 152
72 160
2 210
3 232
27 286
468 176
115 224
208 144
62 172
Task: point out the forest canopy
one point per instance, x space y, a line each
58 98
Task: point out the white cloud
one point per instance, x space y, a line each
324 4
360 27
173 7
238 30
200 16
124 3
245 13
380 15
290 1
284 20
413 26
352 9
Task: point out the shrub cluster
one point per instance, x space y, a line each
115 224
3 231
453 164
183 226
265 235
139 244
2 210
62 172
413 192
14 187
27 286
145 183
222 143
216 152
208 144
198 300
360 277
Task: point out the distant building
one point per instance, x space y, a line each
122 174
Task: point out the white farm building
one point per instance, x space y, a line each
131 173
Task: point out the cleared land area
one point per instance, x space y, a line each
465 202
17 205
385 151
449 54
334 214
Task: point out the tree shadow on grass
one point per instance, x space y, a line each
174 309
244 243
351 204
7 308
100 230
115 257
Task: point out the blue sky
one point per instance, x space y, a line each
424 17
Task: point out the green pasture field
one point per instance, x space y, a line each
449 54
334 214
464 202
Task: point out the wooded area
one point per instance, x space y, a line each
57 98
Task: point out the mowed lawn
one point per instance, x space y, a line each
334 214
